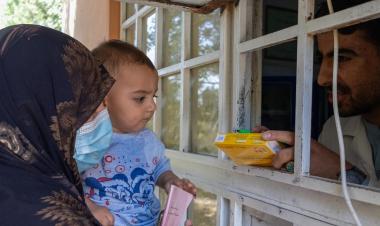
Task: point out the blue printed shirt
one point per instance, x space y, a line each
124 180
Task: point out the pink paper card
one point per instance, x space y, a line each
176 206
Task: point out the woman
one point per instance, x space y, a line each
49 86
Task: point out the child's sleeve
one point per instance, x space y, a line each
159 158
162 166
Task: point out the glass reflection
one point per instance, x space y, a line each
204 108
205 36
171 86
172 37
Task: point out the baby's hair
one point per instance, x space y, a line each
115 53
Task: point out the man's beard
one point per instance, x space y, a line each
356 107
359 104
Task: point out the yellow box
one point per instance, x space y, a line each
248 148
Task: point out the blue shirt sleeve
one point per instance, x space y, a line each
162 167
157 149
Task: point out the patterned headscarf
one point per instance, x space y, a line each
50 84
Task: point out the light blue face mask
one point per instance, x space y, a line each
92 141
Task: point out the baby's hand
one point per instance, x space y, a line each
102 214
185 184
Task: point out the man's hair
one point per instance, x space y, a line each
372 27
115 53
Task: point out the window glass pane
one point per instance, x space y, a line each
279 15
276 15
130 34
149 36
130 9
171 87
278 86
204 108
204 209
172 37
205 36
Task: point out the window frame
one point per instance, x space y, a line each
184 69
303 33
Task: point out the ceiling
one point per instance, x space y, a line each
197 6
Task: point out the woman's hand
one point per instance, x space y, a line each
102 214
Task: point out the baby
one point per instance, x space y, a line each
124 180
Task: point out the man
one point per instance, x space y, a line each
358 101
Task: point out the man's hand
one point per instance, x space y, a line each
169 178
286 154
102 214
324 162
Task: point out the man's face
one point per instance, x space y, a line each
131 101
358 73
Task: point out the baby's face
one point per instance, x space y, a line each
131 101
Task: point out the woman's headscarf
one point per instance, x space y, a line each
50 84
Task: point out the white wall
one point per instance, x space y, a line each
87 21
